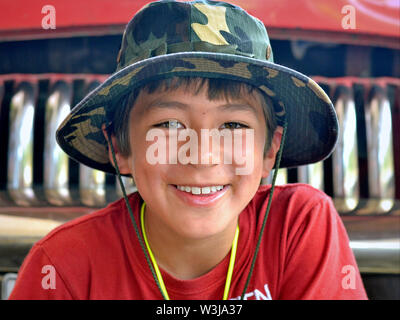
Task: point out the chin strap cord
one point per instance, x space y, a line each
128 205
278 161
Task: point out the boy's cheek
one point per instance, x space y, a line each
244 151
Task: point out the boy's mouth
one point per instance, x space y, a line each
197 190
200 196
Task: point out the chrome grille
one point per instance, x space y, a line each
376 123
24 114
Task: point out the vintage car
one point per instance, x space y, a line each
51 56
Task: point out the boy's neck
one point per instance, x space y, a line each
187 258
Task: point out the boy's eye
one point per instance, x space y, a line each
233 125
170 124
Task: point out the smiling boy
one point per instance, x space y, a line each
179 221
198 229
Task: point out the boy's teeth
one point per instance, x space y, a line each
198 190
205 190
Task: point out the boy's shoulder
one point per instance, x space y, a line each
294 201
294 206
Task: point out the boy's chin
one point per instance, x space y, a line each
203 232
207 225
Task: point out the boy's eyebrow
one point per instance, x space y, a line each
166 104
183 106
239 107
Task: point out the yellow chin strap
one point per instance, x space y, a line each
157 270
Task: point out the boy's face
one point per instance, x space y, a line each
189 214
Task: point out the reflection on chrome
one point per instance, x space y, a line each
387 244
56 167
312 174
92 186
377 256
20 153
345 156
380 151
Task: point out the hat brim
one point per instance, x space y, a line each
312 125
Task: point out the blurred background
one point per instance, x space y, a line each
52 55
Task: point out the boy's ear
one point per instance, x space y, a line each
123 162
270 156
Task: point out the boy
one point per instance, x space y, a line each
197 227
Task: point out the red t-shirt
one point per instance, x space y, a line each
304 254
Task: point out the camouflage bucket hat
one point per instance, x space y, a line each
203 39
